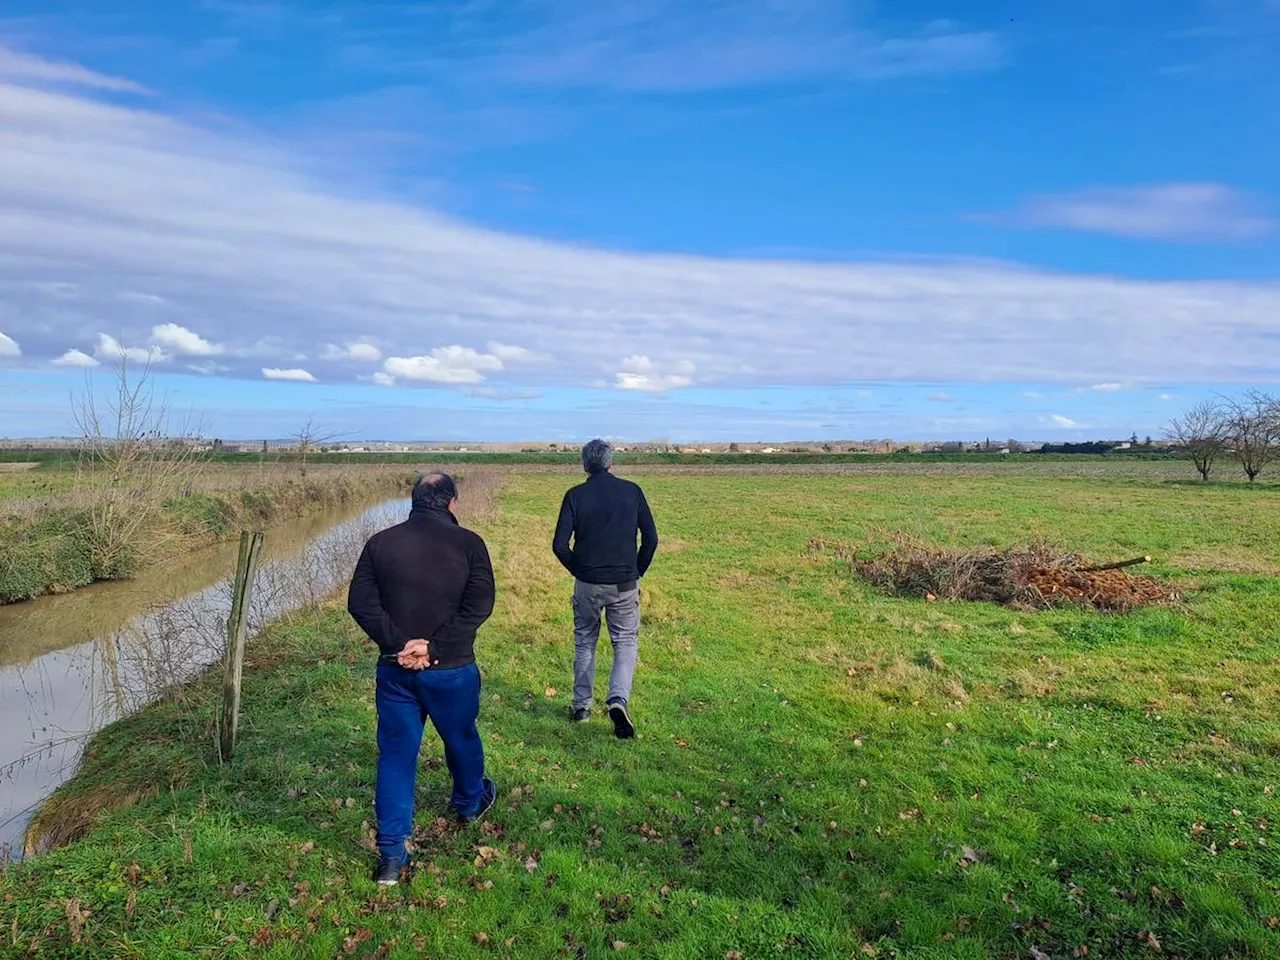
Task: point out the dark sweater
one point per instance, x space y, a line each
426 578
603 516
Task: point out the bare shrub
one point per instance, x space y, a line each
136 461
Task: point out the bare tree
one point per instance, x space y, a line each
307 440
136 460
1202 433
1253 430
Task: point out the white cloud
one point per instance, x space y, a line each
383 379
445 365
271 264
208 368
510 354
183 342
27 67
110 349
1170 211
9 347
864 394
1058 420
1108 387
1032 394
940 398
293 373
1170 397
75 358
640 373
358 350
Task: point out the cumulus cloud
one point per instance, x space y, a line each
1058 420
9 347
445 365
292 373
383 379
75 358
640 373
110 349
266 264
1170 211
182 341
359 350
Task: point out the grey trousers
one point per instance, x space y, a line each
622 615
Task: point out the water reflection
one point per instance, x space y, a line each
71 665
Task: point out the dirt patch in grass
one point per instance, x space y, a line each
1031 576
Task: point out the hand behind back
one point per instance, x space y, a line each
416 655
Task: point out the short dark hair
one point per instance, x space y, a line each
597 456
434 491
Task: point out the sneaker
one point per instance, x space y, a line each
582 715
623 728
390 869
486 802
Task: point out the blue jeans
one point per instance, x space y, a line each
405 699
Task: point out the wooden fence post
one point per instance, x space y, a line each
237 624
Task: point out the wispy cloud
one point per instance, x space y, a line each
940 398
504 396
1058 420
1211 212
28 68
262 264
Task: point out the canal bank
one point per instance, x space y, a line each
70 665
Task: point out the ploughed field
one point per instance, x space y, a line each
824 769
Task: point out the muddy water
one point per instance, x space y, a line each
70 665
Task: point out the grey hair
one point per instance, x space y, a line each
597 456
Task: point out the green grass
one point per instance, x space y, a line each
822 772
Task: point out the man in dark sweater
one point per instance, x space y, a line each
420 591
603 517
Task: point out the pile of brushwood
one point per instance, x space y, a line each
1033 576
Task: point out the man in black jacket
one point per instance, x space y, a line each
603 517
421 590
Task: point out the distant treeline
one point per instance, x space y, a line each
66 459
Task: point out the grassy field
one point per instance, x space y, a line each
821 772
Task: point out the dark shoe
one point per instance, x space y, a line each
623 728
582 715
486 802
390 869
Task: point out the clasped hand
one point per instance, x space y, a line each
416 655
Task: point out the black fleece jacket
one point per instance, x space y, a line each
427 578
603 516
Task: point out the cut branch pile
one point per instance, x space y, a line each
1033 576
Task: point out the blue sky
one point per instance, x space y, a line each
547 219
